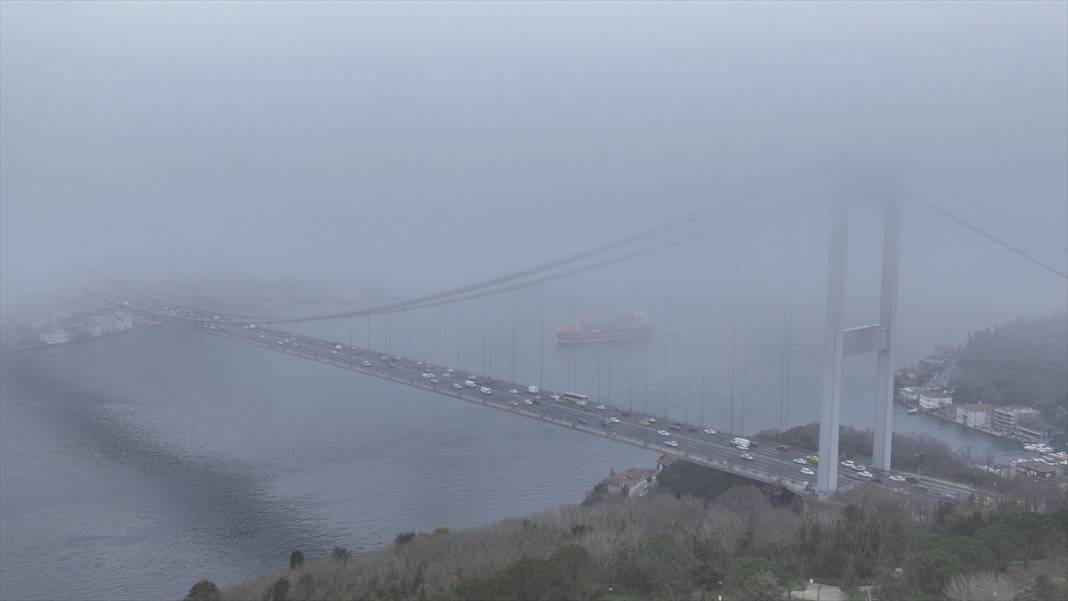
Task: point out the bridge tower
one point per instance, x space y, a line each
878 337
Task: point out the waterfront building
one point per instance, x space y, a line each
973 415
1007 418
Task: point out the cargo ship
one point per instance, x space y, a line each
627 327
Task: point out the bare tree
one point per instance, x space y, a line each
978 585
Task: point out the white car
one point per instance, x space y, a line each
897 478
337 347
513 391
279 341
663 432
383 357
651 420
486 390
848 463
367 364
601 407
806 471
671 443
747 456
613 420
710 430
528 402
433 380
554 397
427 376
419 363
859 468
335 352
800 461
865 474
470 383
457 386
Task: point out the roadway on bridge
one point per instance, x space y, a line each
767 463
763 461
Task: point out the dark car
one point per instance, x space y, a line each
912 480
783 448
675 427
582 421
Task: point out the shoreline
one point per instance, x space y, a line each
43 345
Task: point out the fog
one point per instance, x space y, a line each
398 149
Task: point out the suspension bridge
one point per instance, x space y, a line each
486 342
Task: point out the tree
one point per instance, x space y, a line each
752 579
848 581
932 569
205 590
340 553
667 565
305 586
404 538
279 591
296 560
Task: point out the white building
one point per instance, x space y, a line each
974 415
908 394
54 336
932 400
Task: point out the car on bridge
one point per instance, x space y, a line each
367 364
896 478
800 460
710 431
747 456
865 474
807 471
663 432
671 443
486 390
457 386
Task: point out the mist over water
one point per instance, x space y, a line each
293 160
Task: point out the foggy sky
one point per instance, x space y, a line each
425 145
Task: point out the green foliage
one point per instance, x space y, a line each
205 590
595 495
932 569
848 580
753 579
683 478
296 560
569 573
666 564
404 538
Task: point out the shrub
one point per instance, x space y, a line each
279 591
296 560
205 590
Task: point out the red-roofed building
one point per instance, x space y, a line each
1037 469
634 482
